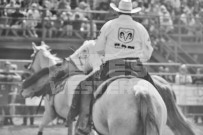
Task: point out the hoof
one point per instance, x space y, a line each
40 133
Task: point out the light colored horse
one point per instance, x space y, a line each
60 103
176 121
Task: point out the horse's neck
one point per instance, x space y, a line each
48 63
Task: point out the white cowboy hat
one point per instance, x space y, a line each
125 6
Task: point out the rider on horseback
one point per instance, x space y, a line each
124 44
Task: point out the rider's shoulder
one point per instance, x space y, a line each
107 25
140 26
109 22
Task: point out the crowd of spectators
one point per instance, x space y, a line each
64 18
48 18
183 76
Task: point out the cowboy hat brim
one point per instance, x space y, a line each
114 7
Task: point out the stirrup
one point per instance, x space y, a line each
69 121
86 131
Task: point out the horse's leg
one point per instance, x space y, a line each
48 116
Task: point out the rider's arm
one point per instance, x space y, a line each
102 38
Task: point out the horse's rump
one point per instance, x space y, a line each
119 110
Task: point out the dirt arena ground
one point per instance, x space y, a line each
57 130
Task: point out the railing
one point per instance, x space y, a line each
180 90
153 20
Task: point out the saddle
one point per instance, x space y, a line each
116 69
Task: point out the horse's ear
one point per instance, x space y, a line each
42 42
34 46
45 45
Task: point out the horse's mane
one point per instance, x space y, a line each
48 54
34 78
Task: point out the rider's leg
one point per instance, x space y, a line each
84 125
81 102
75 106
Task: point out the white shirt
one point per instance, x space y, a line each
122 38
183 79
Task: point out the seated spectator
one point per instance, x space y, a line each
187 19
198 29
165 20
34 15
29 26
10 8
173 3
161 71
67 27
168 77
199 78
4 25
77 21
57 25
62 6
86 29
104 6
48 5
183 77
16 21
97 3
83 9
48 24
191 24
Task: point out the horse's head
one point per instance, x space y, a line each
35 83
42 57
86 58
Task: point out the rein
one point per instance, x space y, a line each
50 88
40 104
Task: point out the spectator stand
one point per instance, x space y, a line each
100 12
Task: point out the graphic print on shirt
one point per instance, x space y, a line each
125 35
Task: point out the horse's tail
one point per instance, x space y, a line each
148 122
176 120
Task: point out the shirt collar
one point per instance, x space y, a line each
125 17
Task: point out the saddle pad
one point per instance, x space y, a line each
102 88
